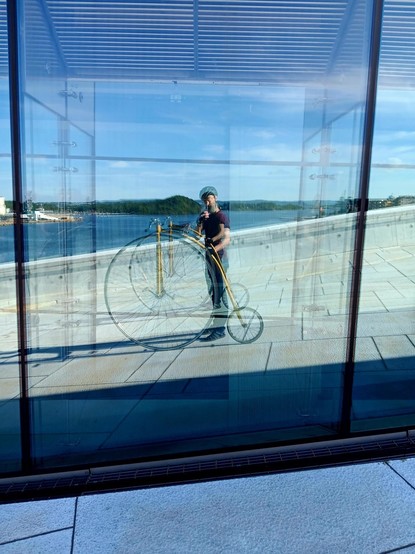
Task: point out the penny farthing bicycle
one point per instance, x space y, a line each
156 290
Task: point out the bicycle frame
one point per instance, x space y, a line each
195 237
164 294
159 258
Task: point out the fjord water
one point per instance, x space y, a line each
94 233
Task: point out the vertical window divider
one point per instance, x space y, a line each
17 173
367 142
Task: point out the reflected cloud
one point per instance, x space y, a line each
264 135
395 161
120 165
215 149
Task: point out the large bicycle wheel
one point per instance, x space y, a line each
245 325
154 291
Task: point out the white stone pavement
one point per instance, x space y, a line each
360 509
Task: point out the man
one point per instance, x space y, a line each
215 225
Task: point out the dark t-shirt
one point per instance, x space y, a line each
211 226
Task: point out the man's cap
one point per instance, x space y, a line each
204 193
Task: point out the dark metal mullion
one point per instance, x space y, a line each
367 143
17 172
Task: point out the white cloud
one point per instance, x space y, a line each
120 164
395 161
263 135
214 149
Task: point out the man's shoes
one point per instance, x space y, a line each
210 328
214 335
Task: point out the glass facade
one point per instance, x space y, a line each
299 114
10 389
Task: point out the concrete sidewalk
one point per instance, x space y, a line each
360 509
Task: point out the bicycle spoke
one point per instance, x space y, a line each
245 325
155 291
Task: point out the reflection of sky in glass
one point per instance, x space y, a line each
159 180
395 128
5 178
394 145
41 130
156 140
5 148
173 139
6 187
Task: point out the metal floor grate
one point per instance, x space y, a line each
172 472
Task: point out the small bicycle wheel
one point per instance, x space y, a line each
245 325
240 294
153 291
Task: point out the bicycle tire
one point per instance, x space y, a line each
184 252
245 325
240 293
159 318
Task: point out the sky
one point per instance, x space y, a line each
203 135
156 140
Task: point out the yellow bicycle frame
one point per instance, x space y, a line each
196 240
159 261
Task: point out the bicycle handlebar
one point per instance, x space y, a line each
168 223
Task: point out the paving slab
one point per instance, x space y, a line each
390 323
318 353
220 360
24 520
398 352
405 468
94 370
367 356
364 508
49 543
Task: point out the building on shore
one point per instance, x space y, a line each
3 209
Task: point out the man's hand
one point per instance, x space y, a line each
208 242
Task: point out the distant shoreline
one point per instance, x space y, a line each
59 219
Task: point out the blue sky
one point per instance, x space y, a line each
200 126
196 130
155 140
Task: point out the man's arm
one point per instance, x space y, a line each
223 238
199 225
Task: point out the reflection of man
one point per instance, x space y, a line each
215 225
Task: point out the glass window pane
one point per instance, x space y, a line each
385 351
114 145
10 452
